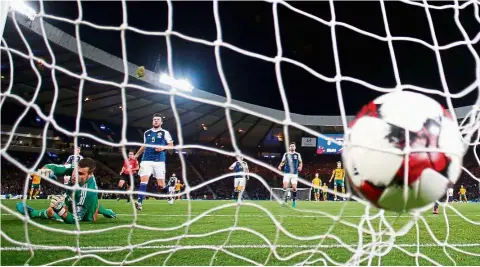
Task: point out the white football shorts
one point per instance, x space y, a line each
239 182
290 178
148 168
171 189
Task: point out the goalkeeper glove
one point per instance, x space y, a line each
58 204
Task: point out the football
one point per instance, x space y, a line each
402 151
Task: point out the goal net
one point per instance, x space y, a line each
194 232
302 194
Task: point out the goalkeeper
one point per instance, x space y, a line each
86 202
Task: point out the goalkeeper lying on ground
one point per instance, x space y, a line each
61 207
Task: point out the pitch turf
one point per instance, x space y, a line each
166 235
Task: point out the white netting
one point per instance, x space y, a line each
376 235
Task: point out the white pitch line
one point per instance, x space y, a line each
262 216
259 246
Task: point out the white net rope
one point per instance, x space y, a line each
376 235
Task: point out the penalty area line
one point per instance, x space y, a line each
260 246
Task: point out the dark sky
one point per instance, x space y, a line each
249 25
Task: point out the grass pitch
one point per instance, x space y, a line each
216 232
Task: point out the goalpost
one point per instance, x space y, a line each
376 237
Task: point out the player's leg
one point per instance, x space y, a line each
343 189
36 191
159 170
170 194
286 181
325 196
35 214
236 182
120 185
159 173
30 193
146 169
435 208
293 181
241 188
335 190
107 213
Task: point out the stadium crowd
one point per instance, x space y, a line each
200 169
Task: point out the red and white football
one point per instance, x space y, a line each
402 151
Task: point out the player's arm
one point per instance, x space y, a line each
123 168
300 162
282 163
247 171
142 148
69 159
331 178
140 151
232 166
169 145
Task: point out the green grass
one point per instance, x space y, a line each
300 240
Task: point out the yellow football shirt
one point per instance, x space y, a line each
316 182
36 179
177 187
463 191
339 173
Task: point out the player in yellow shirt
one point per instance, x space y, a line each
325 191
463 193
178 187
35 188
316 182
339 174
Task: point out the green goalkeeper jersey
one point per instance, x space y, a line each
86 202
59 169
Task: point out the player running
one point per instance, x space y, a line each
292 163
172 182
86 202
72 160
316 182
325 191
35 188
463 194
178 187
339 174
130 167
154 158
240 181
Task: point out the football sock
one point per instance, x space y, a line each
142 188
294 195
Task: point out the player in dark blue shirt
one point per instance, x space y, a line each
292 165
239 166
154 158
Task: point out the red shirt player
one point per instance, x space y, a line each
130 166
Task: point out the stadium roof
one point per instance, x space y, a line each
102 98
